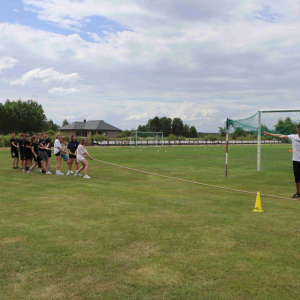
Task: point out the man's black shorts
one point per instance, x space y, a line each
23 155
296 165
14 154
49 153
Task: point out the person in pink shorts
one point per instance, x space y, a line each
81 152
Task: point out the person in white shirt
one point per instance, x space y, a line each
80 156
295 139
57 149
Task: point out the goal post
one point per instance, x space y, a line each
264 120
146 139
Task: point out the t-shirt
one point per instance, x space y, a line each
73 146
63 148
12 147
295 139
36 148
27 143
48 141
20 142
56 145
81 152
43 142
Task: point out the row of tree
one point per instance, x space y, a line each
169 126
24 116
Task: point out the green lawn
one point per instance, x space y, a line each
127 235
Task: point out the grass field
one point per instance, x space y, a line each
127 235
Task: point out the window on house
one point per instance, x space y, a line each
78 133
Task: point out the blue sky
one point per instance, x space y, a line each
126 62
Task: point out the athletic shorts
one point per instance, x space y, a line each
296 165
72 156
38 159
14 154
57 154
29 154
43 155
65 157
23 155
49 153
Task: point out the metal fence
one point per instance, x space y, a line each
179 143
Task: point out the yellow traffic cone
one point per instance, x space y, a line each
258 207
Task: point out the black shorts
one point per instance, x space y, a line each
23 155
72 156
29 155
49 153
296 166
38 159
57 154
14 154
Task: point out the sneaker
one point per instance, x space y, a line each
24 170
60 174
17 168
86 177
48 173
43 172
27 169
79 175
14 168
296 196
69 173
29 172
76 174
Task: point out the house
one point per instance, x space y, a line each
88 128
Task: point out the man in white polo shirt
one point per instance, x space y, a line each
295 139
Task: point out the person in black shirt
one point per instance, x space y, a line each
29 154
72 148
22 150
14 146
48 145
35 147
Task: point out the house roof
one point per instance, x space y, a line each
97 125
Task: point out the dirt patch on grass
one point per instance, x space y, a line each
10 240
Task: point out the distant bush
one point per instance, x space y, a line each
100 138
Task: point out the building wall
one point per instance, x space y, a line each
112 134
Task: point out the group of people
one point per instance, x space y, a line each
38 149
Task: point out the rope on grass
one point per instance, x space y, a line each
193 182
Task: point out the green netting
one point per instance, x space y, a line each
283 122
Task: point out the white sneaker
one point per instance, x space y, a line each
76 174
69 173
72 172
29 172
39 170
60 174
79 175
48 173
86 177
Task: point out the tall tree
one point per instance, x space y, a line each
186 130
65 122
142 128
153 125
177 127
165 125
286 126
193 132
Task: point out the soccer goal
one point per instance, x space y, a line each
146 139
280 121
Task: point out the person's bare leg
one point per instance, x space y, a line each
14 162
77 165
70 163
86 168
58 163
298 187
82 168
17 162
32 167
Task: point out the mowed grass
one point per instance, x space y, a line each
128 235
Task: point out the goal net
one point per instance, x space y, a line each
275 121
146 139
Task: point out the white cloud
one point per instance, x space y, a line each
62 91
47 75
7 62
16 10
